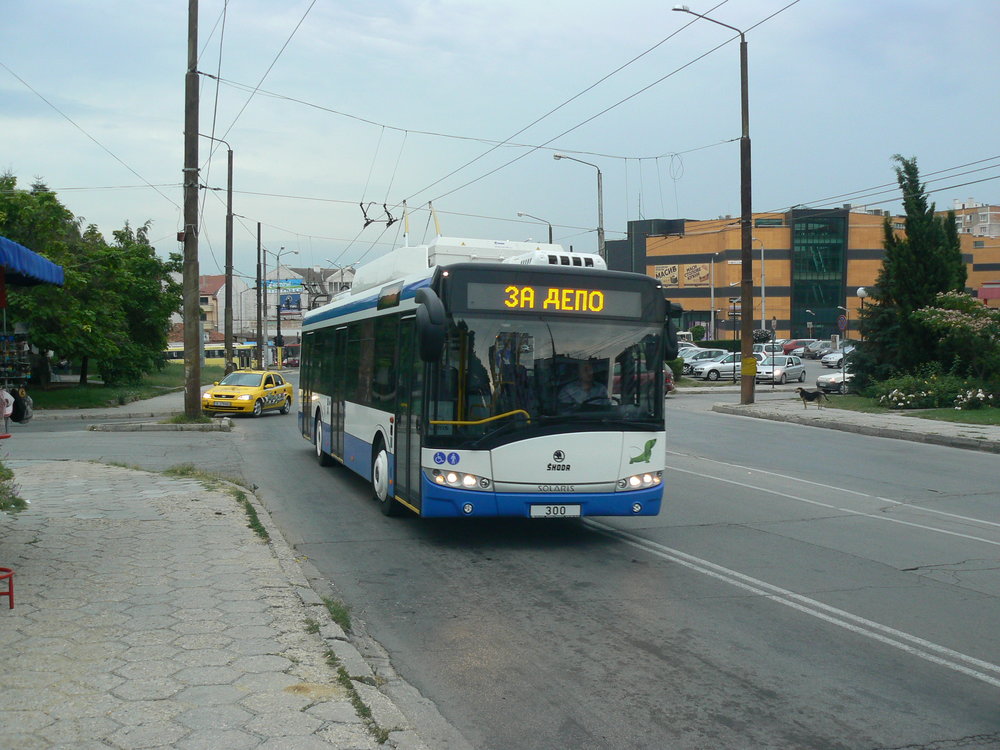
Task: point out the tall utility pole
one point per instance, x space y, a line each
192 306
228 316
261 336
229 265
748 363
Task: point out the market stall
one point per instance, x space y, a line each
19 266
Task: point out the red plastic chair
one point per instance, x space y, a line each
6 574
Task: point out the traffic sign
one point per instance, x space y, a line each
842 323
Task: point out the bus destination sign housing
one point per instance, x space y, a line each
516 296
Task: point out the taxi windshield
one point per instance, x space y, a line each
250 379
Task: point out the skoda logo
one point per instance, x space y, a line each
559 456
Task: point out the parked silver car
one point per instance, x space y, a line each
835 382
812 351
700 355
836 357
727 367
781 369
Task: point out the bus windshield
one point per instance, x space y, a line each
508 378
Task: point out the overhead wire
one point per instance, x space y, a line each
214 143
269 67
100 145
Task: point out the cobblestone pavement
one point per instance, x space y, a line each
147 614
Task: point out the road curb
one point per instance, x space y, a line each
950 441
220 425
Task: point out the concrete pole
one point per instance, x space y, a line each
191 290
229 267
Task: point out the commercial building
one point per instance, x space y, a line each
808 264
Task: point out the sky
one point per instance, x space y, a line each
335 109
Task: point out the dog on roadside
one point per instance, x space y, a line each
811 397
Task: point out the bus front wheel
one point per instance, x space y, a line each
324 458
380 482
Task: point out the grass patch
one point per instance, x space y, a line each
852 402
312 626
339 612
98 396
225 484
964 416
364 713
9 500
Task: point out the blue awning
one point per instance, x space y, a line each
26 268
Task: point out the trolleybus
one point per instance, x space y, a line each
445 377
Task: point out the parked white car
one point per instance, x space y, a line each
781 369
771 347
727 367
835 382
701 355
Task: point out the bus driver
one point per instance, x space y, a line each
583 390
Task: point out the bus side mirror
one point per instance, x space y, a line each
430 324
670 346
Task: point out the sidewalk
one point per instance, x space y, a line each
898 425
147 614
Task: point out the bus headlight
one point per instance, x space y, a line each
641 481
460 479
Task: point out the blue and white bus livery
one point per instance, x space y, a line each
470 378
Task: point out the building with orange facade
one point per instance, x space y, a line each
808 268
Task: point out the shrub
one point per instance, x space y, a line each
974 398
9 501
929 388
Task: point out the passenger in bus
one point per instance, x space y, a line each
584 390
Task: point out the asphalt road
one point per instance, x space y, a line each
802 588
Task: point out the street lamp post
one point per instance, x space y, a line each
522 213
278 341
862 293
746 215
843 355
600 200
711 292
228 324
342 283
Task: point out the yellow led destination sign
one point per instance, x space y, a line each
577 300
544 298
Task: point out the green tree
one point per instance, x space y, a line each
916 267
116 302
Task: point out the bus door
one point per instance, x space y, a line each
338 390
409 407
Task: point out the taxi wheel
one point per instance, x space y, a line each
325 459
258 408
380 482
287 406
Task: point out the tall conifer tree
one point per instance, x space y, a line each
919 264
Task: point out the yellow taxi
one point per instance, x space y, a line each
248 392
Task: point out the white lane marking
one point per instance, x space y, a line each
911 644
846 491
849 511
